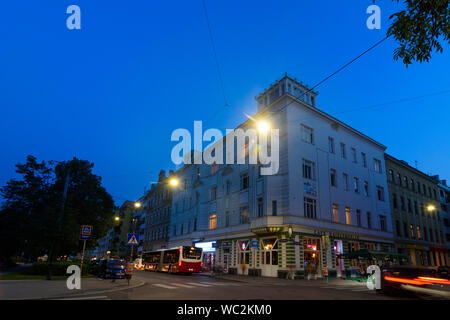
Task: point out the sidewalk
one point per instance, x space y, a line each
43 289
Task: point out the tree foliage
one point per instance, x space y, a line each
31 213
420 28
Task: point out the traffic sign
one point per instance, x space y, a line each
86 232
133 239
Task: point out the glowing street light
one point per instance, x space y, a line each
431 208
137 205
116 218
174 182
263 126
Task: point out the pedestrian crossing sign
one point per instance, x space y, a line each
133 239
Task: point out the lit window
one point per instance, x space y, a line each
335 213
212 222
348 216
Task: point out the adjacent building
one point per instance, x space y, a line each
329 196
444 197
416 214
158 202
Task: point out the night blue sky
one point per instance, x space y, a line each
114 91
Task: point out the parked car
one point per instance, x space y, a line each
110 268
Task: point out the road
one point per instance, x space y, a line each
162 286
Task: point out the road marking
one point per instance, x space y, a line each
163 286
87 298
213 283
182 285
199 284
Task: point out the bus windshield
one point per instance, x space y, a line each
192 253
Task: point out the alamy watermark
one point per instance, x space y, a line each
253 146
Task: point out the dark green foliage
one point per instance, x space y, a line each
420 28
30 213
59 268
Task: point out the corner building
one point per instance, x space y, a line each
328 197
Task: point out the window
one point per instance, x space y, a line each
348 216
418 187
308 169
195 224
307 134
358 218
345 178
394 201
244 215
380 193
343 153
260 207
377 165
228 187
369 220
411 229
335 213
409 205
419 234
274 207
405 182
364 160
425 235
244 181
356 184
227 219
213 193
212 221
399 179
431 235
413 185
402 203
333 178
309 207
405 230
366 188
383 223
398 228
416 210
354 155
331 145
391 175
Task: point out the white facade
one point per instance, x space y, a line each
211 202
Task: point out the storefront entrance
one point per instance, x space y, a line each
311 249
339 262
269 257
243 256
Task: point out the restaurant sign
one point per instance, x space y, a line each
338 235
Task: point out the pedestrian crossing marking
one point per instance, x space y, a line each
199 284
182 285
163 286
214 284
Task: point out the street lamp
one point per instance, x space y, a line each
174 182
116 218
137 204
431 207
263 126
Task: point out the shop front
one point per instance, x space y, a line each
209 255
268 248
312 256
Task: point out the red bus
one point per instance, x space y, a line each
175 260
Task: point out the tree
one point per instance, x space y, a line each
420 29
29 218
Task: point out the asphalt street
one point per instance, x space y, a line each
162 286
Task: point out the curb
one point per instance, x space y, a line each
142 283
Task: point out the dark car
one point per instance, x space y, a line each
116 269
110 268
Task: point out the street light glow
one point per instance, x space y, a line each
263 126
431 208
116 218
174 182
137 204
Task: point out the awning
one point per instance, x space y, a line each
372 254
